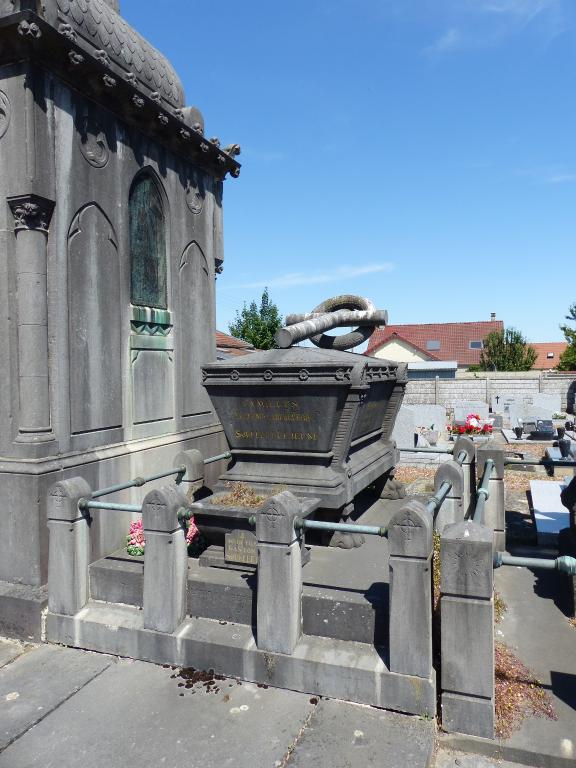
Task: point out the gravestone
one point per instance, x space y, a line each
462 409
110 241
404 432
502 403
550 515
430 415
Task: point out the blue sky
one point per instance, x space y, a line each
418 152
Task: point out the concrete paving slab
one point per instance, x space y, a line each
9 650
344 735
142 714
39 682
450 759
536 627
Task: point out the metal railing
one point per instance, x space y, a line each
483 493
564 564
322 525
86 504
435 502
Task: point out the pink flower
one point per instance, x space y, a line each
192 531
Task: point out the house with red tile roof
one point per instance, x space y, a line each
461 342
548 354
230 346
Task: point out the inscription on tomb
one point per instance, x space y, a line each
241 547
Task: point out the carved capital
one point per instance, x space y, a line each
31 212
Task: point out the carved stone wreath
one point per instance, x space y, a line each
5 113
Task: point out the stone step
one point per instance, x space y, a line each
357 611
356 672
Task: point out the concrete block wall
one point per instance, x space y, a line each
482 386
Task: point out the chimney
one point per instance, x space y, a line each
492 315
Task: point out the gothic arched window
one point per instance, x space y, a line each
147 244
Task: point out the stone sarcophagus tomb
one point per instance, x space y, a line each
316 421
110 241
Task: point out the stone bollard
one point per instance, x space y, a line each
410 543
495 509
165 560
467 445
452 509
467 629
194 475
279 596
69 547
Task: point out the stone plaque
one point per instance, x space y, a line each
241 547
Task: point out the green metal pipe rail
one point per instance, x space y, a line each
540 462
435 502
483 493
322 525
564 564
86 504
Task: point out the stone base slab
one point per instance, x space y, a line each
225 594
350 671
21 608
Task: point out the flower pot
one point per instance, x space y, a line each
518 431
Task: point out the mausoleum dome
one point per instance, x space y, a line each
96 26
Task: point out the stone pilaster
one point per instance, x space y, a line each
410 542
279 610
165 560
452 510
495 509
32 216
467 630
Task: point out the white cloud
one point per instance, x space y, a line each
482 23
292 279
560 178
446 42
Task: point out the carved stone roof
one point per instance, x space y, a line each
100 27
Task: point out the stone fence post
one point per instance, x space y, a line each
467 445
69 547
452 509
194 463
495 509
165 560
279 596
467 629
410 542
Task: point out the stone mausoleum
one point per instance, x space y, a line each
110 242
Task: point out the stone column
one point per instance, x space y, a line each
165 560
452 510
467 630
32 216
69 547
467 445
279 610
410 542
495 509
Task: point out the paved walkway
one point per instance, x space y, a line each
62 708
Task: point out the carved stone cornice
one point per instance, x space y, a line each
31 212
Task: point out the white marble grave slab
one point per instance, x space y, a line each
549 513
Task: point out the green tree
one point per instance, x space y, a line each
568 357
257 326
506 350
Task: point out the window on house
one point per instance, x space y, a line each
147 244
432 344
476 345
550 355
